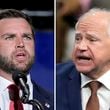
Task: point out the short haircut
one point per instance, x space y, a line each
13 13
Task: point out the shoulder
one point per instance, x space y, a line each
68 80
66 72
67 65
65 68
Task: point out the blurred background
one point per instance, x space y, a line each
42 14
67 14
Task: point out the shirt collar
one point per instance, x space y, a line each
29 80
84 80
4 83
104 79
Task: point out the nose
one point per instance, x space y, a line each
82 45
19 42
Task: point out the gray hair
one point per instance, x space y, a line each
94 11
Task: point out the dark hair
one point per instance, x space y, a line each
13 13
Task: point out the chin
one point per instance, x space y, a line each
21 68
83 69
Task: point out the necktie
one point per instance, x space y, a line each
93 102
15 103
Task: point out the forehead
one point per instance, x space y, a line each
94 21
8 21
14 24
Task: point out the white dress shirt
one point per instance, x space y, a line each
4 95
103 92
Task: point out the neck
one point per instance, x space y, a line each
6 75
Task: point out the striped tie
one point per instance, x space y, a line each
15 102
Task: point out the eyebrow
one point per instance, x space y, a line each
3 35
77 32
91 34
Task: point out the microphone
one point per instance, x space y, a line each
20 80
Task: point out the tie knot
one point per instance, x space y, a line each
13 92
94 86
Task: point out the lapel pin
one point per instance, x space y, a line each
47 105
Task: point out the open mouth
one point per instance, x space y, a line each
20 54
83 58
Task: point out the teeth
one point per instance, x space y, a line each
20 55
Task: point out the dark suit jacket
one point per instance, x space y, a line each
68 87
44 97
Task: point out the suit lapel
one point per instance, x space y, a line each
74 95
42 98
36 95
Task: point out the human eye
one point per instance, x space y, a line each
93 39
8 36
77 38
28 36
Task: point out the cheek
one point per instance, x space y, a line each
31 49
73 54
102 55
6 50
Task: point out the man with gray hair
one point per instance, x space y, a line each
83 83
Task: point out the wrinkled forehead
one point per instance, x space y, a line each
97 23
95 17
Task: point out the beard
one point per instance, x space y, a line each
9 67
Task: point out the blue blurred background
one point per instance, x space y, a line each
43 69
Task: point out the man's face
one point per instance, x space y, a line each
91 52
16 45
